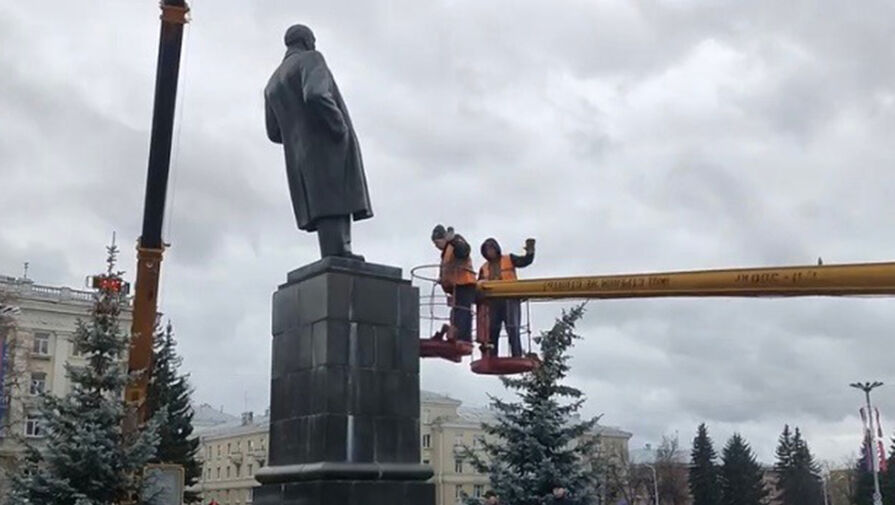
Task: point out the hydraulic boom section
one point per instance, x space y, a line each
150 246
818 280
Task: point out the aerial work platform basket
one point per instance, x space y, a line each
440 339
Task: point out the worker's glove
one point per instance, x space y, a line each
530 245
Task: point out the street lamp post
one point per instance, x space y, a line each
655 482
867 387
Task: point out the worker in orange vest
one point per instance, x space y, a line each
457 279
502 267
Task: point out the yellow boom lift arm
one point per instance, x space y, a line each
816 280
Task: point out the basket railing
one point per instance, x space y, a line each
435 306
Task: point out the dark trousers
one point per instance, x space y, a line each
334 235
505 313
461 311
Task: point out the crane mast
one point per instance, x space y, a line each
150 246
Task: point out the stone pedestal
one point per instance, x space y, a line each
344 406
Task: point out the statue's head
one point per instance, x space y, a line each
299 36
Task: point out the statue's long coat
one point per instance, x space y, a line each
305 112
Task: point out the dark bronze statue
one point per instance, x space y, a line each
305 112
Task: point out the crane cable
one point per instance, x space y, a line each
168 233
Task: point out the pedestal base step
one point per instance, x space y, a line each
346 492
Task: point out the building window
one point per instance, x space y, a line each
458 492
228 471
477 490
251 445
426 416
458 466
219 473
41 345
219 450
427 441
458 439
228 447
38 383
251 470
33 427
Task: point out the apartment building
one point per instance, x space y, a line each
35 351
232 451
448 428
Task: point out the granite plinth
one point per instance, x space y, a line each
345 265
345 387
346 492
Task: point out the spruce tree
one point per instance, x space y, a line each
783 467
536 443
741 475
704 477
807 486
168 398
784 451
798 475
87 458
887 478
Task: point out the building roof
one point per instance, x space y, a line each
432 397
27 289
476 416
612 431
211 422
648 455
235 428
205 416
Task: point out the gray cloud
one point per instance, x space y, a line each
626 137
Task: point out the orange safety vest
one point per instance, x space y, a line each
455 272
507 269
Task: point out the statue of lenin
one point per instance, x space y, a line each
305 112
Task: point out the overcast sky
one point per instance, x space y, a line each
625 136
